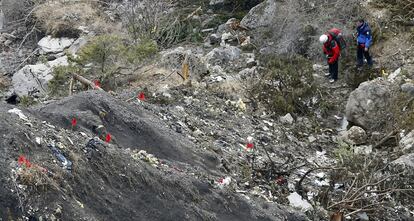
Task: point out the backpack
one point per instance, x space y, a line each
338 37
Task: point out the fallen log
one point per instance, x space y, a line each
86 82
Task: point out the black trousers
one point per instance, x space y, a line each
333 70
361 53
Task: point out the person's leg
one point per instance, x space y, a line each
368 57
331 70
360 56
335 70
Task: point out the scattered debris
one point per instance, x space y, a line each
65 163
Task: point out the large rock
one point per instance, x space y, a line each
405 160
261 15
407 142
355 135
222 55
174 59
368 105
33 79
54 45
408 88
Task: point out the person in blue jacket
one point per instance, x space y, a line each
364 39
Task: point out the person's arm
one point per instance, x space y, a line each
336 53
368 39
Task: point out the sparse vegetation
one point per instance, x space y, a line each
285 85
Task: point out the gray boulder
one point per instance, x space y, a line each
33 79
356 135
262 15
405 160
407 142
222 55
54 45
368 105
408 88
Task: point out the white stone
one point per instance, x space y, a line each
54 45
394 75
295 200
287 119
407 141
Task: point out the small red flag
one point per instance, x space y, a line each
28 164
250 145
97 83
141 96
108 138
74 122
21 160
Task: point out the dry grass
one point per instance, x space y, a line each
63 18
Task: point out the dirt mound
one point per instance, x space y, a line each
108 181
130 127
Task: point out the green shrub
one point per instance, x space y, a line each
286 85
139 52
102 58
27 101
58 86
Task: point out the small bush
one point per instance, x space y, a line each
286 85
58 86
27 101
402 110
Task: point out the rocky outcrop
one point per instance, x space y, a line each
33 79
368 105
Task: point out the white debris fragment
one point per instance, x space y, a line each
19 113
224 182
296 201
38 140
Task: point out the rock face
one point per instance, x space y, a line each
33 79
261 15
54 45
280 26
368 105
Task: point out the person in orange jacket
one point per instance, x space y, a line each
332 51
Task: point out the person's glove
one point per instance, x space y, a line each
366 49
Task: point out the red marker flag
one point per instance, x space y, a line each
108 138
141 96
74 122
21 160
97 83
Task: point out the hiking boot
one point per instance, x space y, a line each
332 80
327 74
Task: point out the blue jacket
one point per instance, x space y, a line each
364 35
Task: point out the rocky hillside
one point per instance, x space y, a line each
203 110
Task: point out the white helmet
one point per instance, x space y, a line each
323 38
